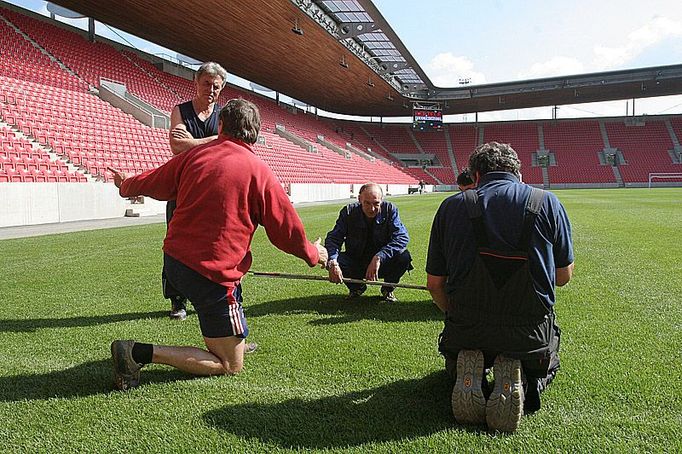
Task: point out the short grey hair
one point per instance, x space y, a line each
494 157
213 69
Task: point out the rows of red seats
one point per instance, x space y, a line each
645 149
54 107
92 61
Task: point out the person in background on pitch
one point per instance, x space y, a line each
223 192
495 256
465 181
376 243
193 123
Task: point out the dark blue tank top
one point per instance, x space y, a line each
198 128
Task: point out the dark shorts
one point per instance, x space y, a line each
219 308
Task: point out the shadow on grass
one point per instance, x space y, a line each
27 326
87 379
397 411
338 309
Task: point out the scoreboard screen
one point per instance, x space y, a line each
426 119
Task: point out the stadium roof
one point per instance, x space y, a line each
342 56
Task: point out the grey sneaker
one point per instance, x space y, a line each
505 404
468 400
178 314
126 370
388 295
250 347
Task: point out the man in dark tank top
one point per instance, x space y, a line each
193 123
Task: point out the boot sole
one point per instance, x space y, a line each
468 400
505 404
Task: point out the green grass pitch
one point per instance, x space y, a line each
333 375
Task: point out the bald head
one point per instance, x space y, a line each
370 197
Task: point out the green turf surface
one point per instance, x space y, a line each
330 374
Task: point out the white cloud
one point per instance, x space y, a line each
556 66
604 57
446 70
651 33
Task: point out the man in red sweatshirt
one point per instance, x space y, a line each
223 192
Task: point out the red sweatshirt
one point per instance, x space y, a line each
223 192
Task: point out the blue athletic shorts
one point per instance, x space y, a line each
219 308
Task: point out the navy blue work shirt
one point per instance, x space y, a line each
389 234
452 247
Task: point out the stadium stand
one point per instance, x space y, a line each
644 148
421 174
576 146
523 137
91 134
433 142
464 138
54 128
394 137
92 61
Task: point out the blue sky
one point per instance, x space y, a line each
502 40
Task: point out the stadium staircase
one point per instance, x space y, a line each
463 141
577 161
416 143
451 153
645 148
386 153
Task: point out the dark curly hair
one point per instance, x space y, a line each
465 178
494 156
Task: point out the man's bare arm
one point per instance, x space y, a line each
180 138
436 286
563 275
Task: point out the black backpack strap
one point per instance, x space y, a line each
533 206
476 215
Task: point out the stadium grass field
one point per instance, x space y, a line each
331 374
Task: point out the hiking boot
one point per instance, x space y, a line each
356 292
126 370
250 347
178 310
505 405
387 294
468 400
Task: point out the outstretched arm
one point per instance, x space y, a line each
118 176
284 227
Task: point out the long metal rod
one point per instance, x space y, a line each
308 277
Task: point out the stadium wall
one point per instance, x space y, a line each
302 192
45 203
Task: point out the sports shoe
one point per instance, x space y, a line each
126 370
178 310
388 295
250 347
468 400
505 404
